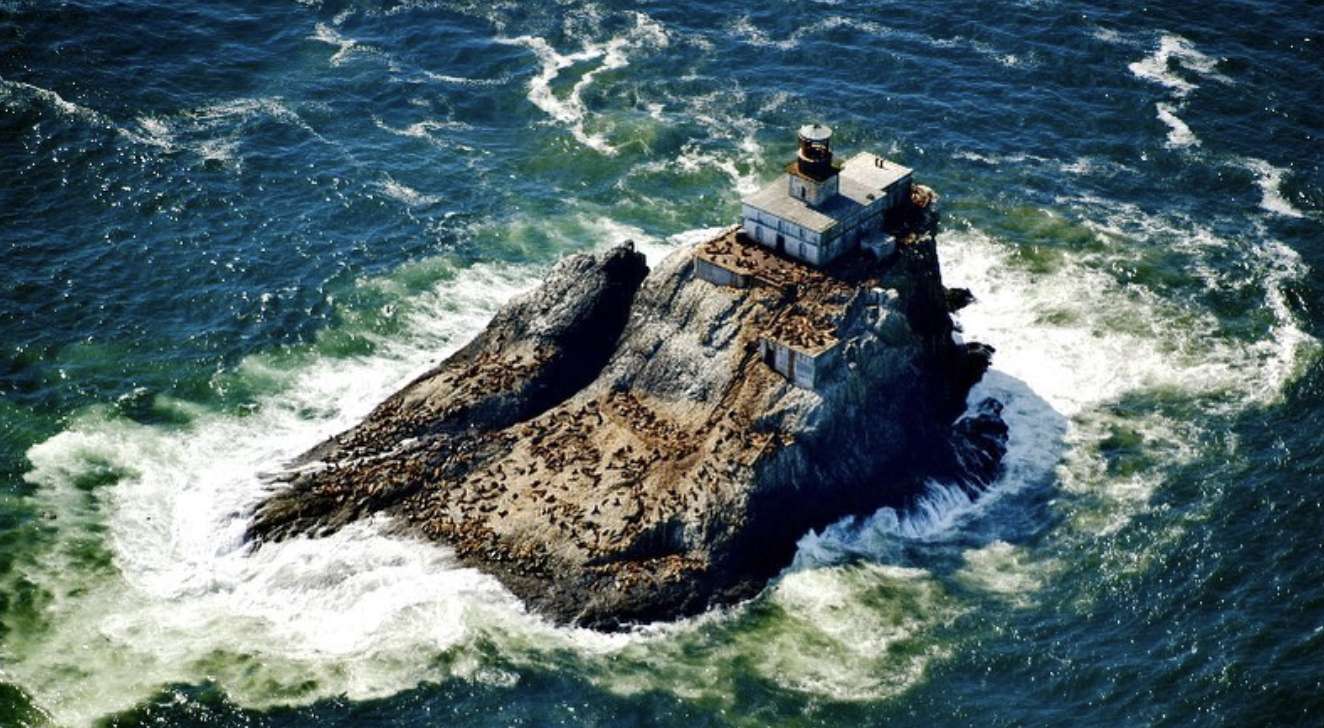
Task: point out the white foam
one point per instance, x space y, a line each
727 145
156 132
425 130
1071 341
694 157
856 633
1108 35
1004 570
407 195
1174 56
852 634
1081 166
612 54
11 88
346 614
998 160
345 47
1270 180
1036 441
745 29
1180 135
360 613
465 81
1070 366
212 132
363 614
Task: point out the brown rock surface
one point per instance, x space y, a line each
615 450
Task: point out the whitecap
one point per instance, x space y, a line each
54 100
424 130
465 81
1095 166
1180 135
155 132
1108 35
1270 180
407 195
345 47
1174 55
745 29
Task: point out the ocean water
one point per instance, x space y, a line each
229 228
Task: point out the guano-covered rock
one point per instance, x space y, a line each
621 446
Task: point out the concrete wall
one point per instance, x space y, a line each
796 241
801 368
718 275
812 192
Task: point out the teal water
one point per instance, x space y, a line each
228 229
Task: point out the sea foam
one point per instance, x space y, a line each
1180 135
1072 342
1270 180
184 600
569 109
1171 64
340 615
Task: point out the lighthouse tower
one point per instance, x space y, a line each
812 176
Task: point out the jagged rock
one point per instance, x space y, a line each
615 448
959 298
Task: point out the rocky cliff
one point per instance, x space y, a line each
618 446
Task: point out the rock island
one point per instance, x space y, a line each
621 446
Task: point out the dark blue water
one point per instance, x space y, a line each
227 229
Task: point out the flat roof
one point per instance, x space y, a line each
863 178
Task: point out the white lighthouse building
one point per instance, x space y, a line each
818 211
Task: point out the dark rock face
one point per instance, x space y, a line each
616 450
537 351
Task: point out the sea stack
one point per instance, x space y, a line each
621 446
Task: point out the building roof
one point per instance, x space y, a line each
863 178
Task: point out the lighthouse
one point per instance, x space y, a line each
812 178
819 210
